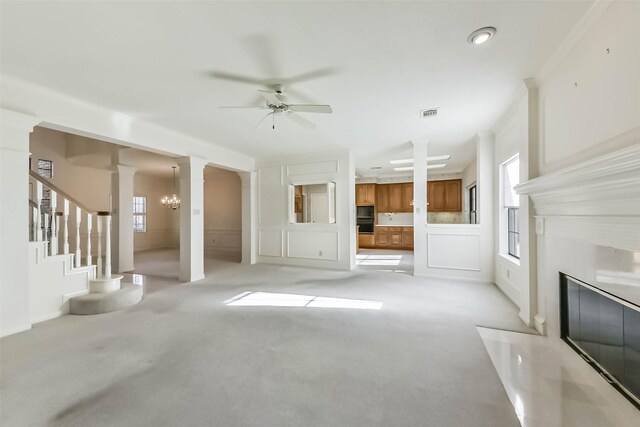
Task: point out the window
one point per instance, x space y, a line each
45 169
473 205
139 214
511 203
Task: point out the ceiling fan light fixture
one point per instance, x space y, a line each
481 35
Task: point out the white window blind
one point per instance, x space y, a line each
511 178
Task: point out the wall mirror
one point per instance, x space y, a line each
312 203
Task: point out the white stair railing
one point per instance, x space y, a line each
46 226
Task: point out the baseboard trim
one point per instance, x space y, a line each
46 317
459 279
15 330
67 297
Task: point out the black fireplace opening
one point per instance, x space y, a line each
605 330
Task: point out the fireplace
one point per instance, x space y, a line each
605 330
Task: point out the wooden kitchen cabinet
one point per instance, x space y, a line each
444 196
394 237
382 198
395 198
407 197
365 194
382 237
407 237
366 240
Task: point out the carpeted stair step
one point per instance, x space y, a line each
96 303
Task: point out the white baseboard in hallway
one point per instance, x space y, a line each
550 385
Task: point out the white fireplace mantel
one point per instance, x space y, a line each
596 201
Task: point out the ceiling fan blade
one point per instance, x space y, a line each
263 119
301 121
236 77
270 97
309 108
255 107
323 72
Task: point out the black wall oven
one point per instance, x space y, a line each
365 218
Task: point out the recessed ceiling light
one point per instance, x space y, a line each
429 159
443 157
401 162
481 35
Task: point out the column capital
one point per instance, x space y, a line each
192 162
125 169
18 121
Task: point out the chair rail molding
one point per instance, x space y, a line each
597 201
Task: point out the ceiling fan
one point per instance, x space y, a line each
275 102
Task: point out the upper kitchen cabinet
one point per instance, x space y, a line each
382 198
444 196
365 194
395 197
407 197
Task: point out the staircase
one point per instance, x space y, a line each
59 281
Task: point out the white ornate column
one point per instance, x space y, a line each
122 217
191 218
420 207
14 220
249 216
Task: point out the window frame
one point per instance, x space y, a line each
473 203
139 215
509 203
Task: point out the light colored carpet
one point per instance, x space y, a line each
166 262
182 357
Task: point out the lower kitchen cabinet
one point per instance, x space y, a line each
366 240
394 237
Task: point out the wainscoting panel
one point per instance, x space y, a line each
454 251
312 244
223 240
270 243
312 168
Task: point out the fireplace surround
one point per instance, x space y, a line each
605 330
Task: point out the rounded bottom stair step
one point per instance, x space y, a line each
97 302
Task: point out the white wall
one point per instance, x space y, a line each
222 211
315 245
590 102
589 105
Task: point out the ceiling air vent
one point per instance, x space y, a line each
429 112
376 167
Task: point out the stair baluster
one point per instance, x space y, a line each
107 247
53 239
65 218
89 226
78 258
38 230
99 258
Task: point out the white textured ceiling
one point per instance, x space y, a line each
376 63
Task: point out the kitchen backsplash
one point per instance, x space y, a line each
399 218
446 218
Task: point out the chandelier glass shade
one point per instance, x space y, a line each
172 202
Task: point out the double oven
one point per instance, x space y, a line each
365 219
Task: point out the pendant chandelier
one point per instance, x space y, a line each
172 202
